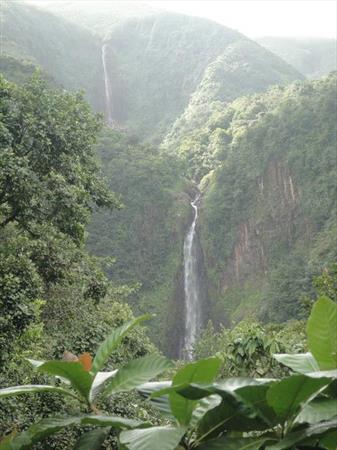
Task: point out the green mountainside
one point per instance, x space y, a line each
68 53
204 206
156 63
98 17
268 221
145 238
243 68
312 57
179 87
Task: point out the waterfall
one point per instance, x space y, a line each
193 307
108 95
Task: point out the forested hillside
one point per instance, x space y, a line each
164 169
243 68
312 57
268 220
170 76
145 238
68 53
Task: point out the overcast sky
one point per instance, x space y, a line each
256 18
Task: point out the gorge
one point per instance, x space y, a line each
188 101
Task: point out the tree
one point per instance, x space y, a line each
49 183
48 169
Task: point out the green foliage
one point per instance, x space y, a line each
268 212
247 349
200 137
165 438
112 341
88 384
49 183
145 237
48 167
321 328
288 413
326 284
18 71
203 371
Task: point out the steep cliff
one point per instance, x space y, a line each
268 221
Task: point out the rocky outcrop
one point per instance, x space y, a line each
276 219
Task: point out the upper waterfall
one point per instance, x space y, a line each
108 95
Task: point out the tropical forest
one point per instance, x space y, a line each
168 225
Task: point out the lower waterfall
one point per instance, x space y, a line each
193 307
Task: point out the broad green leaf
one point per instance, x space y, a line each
232 414
203 371
322 333
161 403
232 443
317 411
332 374
99 383
329 440
319 430
71 371
112 421
135 373
47 427
196 391
112 341
204 405
243 398
39 431
155 438
300 362
92 440
33 389
255 396
287 395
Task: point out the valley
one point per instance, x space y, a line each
182 127
161 166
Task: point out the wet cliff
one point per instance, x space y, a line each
268 220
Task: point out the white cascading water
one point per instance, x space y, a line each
191 287
108 96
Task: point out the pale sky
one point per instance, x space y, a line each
257 18
254 18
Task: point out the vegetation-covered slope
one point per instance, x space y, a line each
163 68
98 17
243 68
146 237
54 296
268 218
312 57
68 53
158 62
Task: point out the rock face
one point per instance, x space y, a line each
277 189
274 227
268 223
